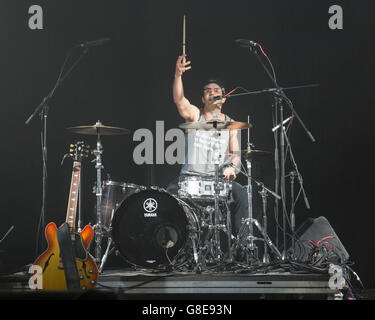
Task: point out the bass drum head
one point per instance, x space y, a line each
149 228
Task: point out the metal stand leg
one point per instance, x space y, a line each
228 230
98 227
218 254
107 252
252 248
267 239
292 216
249 221
263 193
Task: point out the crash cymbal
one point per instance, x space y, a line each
99 128
216 125
250 154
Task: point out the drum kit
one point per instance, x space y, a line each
153 229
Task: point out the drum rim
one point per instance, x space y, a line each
121 184
201 178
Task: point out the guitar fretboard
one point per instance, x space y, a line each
73 196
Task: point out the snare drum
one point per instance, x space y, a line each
202 189
113 194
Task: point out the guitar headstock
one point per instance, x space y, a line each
79 150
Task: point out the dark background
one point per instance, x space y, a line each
127 83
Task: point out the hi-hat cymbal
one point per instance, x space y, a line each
99 128
216 125
250 154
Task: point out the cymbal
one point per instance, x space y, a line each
99 128
250 154
216 125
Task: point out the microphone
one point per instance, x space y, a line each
284 122
214 98
246 43
94 43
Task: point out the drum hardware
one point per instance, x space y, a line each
107 252
254 154
251 247
214 245
113 194
251 250
98 226
218 254
98 129
215 125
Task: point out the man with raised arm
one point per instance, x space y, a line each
200 155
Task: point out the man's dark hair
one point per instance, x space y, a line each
218 82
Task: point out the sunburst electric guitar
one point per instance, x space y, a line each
67 264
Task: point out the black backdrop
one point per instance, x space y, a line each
127 83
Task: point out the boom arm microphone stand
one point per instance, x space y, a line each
279 98
42 109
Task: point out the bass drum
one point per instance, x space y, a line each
113 194
151 228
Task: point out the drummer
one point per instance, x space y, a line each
199 157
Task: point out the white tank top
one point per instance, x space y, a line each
203 148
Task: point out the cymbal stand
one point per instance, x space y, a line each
263 230
216 226
263 193
252 248
98 226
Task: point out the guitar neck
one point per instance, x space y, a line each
73 196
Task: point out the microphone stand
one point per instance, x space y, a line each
43 109
292 175
279 97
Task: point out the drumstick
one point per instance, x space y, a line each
184 38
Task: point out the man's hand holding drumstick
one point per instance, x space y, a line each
182 65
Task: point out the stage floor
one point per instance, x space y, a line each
127 284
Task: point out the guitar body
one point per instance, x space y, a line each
50 261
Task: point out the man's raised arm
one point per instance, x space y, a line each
184 107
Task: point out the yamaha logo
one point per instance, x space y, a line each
150 205
149 214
